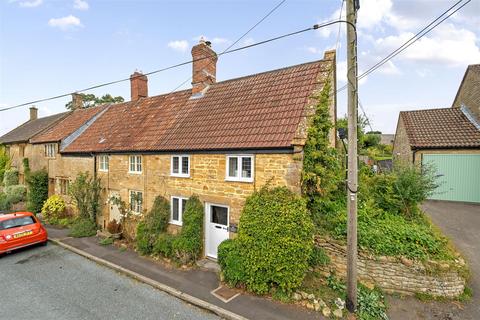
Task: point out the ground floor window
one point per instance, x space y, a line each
64 184
136 201
177 209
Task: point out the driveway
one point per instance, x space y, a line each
460 222
51 283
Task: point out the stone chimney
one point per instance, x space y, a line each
138 86
77 101
205 69
33 113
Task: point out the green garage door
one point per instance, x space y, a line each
459 176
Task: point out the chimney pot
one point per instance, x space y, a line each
204 66
77 101
138 86
33 113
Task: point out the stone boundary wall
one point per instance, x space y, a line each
398 275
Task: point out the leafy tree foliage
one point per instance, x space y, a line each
154 223
90 100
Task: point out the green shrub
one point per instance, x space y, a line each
274 242
10 177
392 234
158 217
106 241
53 208
318 257
4 162
143 238
5 203
85 191
189 244
16 193
153 224
231 263
163 246
26 167
37 190
83 227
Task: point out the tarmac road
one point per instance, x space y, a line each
53 283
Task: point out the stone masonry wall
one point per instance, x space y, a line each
401 146
392 274
207 179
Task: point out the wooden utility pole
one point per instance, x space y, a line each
352 183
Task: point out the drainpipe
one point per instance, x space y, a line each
94 166
413 156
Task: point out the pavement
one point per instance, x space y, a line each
461 223
50 282
194 286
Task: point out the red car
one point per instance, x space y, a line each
20 229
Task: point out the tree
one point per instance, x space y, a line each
90 100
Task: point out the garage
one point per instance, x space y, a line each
458 176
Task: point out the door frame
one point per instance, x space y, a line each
208 206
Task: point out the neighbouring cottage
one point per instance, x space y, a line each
18 146
447 138
218 140
48 145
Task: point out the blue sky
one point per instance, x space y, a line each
53 47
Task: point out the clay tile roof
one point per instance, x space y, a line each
440 128
68 125
30 128
257 111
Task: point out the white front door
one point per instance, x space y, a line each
114 210
216 227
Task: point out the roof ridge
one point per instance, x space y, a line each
429 109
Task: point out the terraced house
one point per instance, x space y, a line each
218 140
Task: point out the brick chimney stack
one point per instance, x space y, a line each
204 70
33 113
138 86
77 101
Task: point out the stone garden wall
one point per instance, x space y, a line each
399 275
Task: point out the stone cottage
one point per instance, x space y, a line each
218 140
18 146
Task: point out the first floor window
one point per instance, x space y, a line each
135 164
180 166
136 201
177 209
50 150
240 168
104 163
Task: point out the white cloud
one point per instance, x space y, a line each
248 41
80 5
65 23
447 45
214 40
373 12
28 4
178 45
313 50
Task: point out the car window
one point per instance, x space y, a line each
16 222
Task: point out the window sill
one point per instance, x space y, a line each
100 170
239 180
179 175
135 172
176 223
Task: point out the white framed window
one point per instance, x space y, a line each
50 150
177 208
240 168
180 166
136 201
135 164
103 163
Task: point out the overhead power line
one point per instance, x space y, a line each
427 29
314 27
238 40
